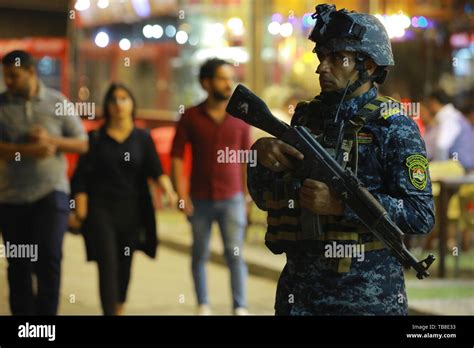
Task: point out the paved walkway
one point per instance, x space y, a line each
164 286
158 287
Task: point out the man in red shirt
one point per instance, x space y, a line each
220 152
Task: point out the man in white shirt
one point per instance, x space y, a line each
34 190
454 135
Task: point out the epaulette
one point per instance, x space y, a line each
382 107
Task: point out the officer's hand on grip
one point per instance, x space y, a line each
318 198
276 155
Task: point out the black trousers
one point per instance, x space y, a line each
39 225
113 226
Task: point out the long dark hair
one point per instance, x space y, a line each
109 95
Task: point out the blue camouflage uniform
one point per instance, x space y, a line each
389 159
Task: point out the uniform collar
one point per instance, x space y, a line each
350 107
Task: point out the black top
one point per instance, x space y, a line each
117 170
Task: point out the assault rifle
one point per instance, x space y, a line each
245 105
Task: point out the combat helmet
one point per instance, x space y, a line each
362 33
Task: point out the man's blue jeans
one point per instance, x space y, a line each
231 217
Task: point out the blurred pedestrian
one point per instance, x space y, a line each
454 136
34 189
431 130
218 186
469 113
114 208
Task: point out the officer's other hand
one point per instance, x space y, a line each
275 155
318 198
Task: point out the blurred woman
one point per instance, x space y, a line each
114 208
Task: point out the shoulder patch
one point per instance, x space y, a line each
417 170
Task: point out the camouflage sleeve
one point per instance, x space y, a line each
406 195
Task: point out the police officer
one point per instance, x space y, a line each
336 267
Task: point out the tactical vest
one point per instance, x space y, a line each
285 229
